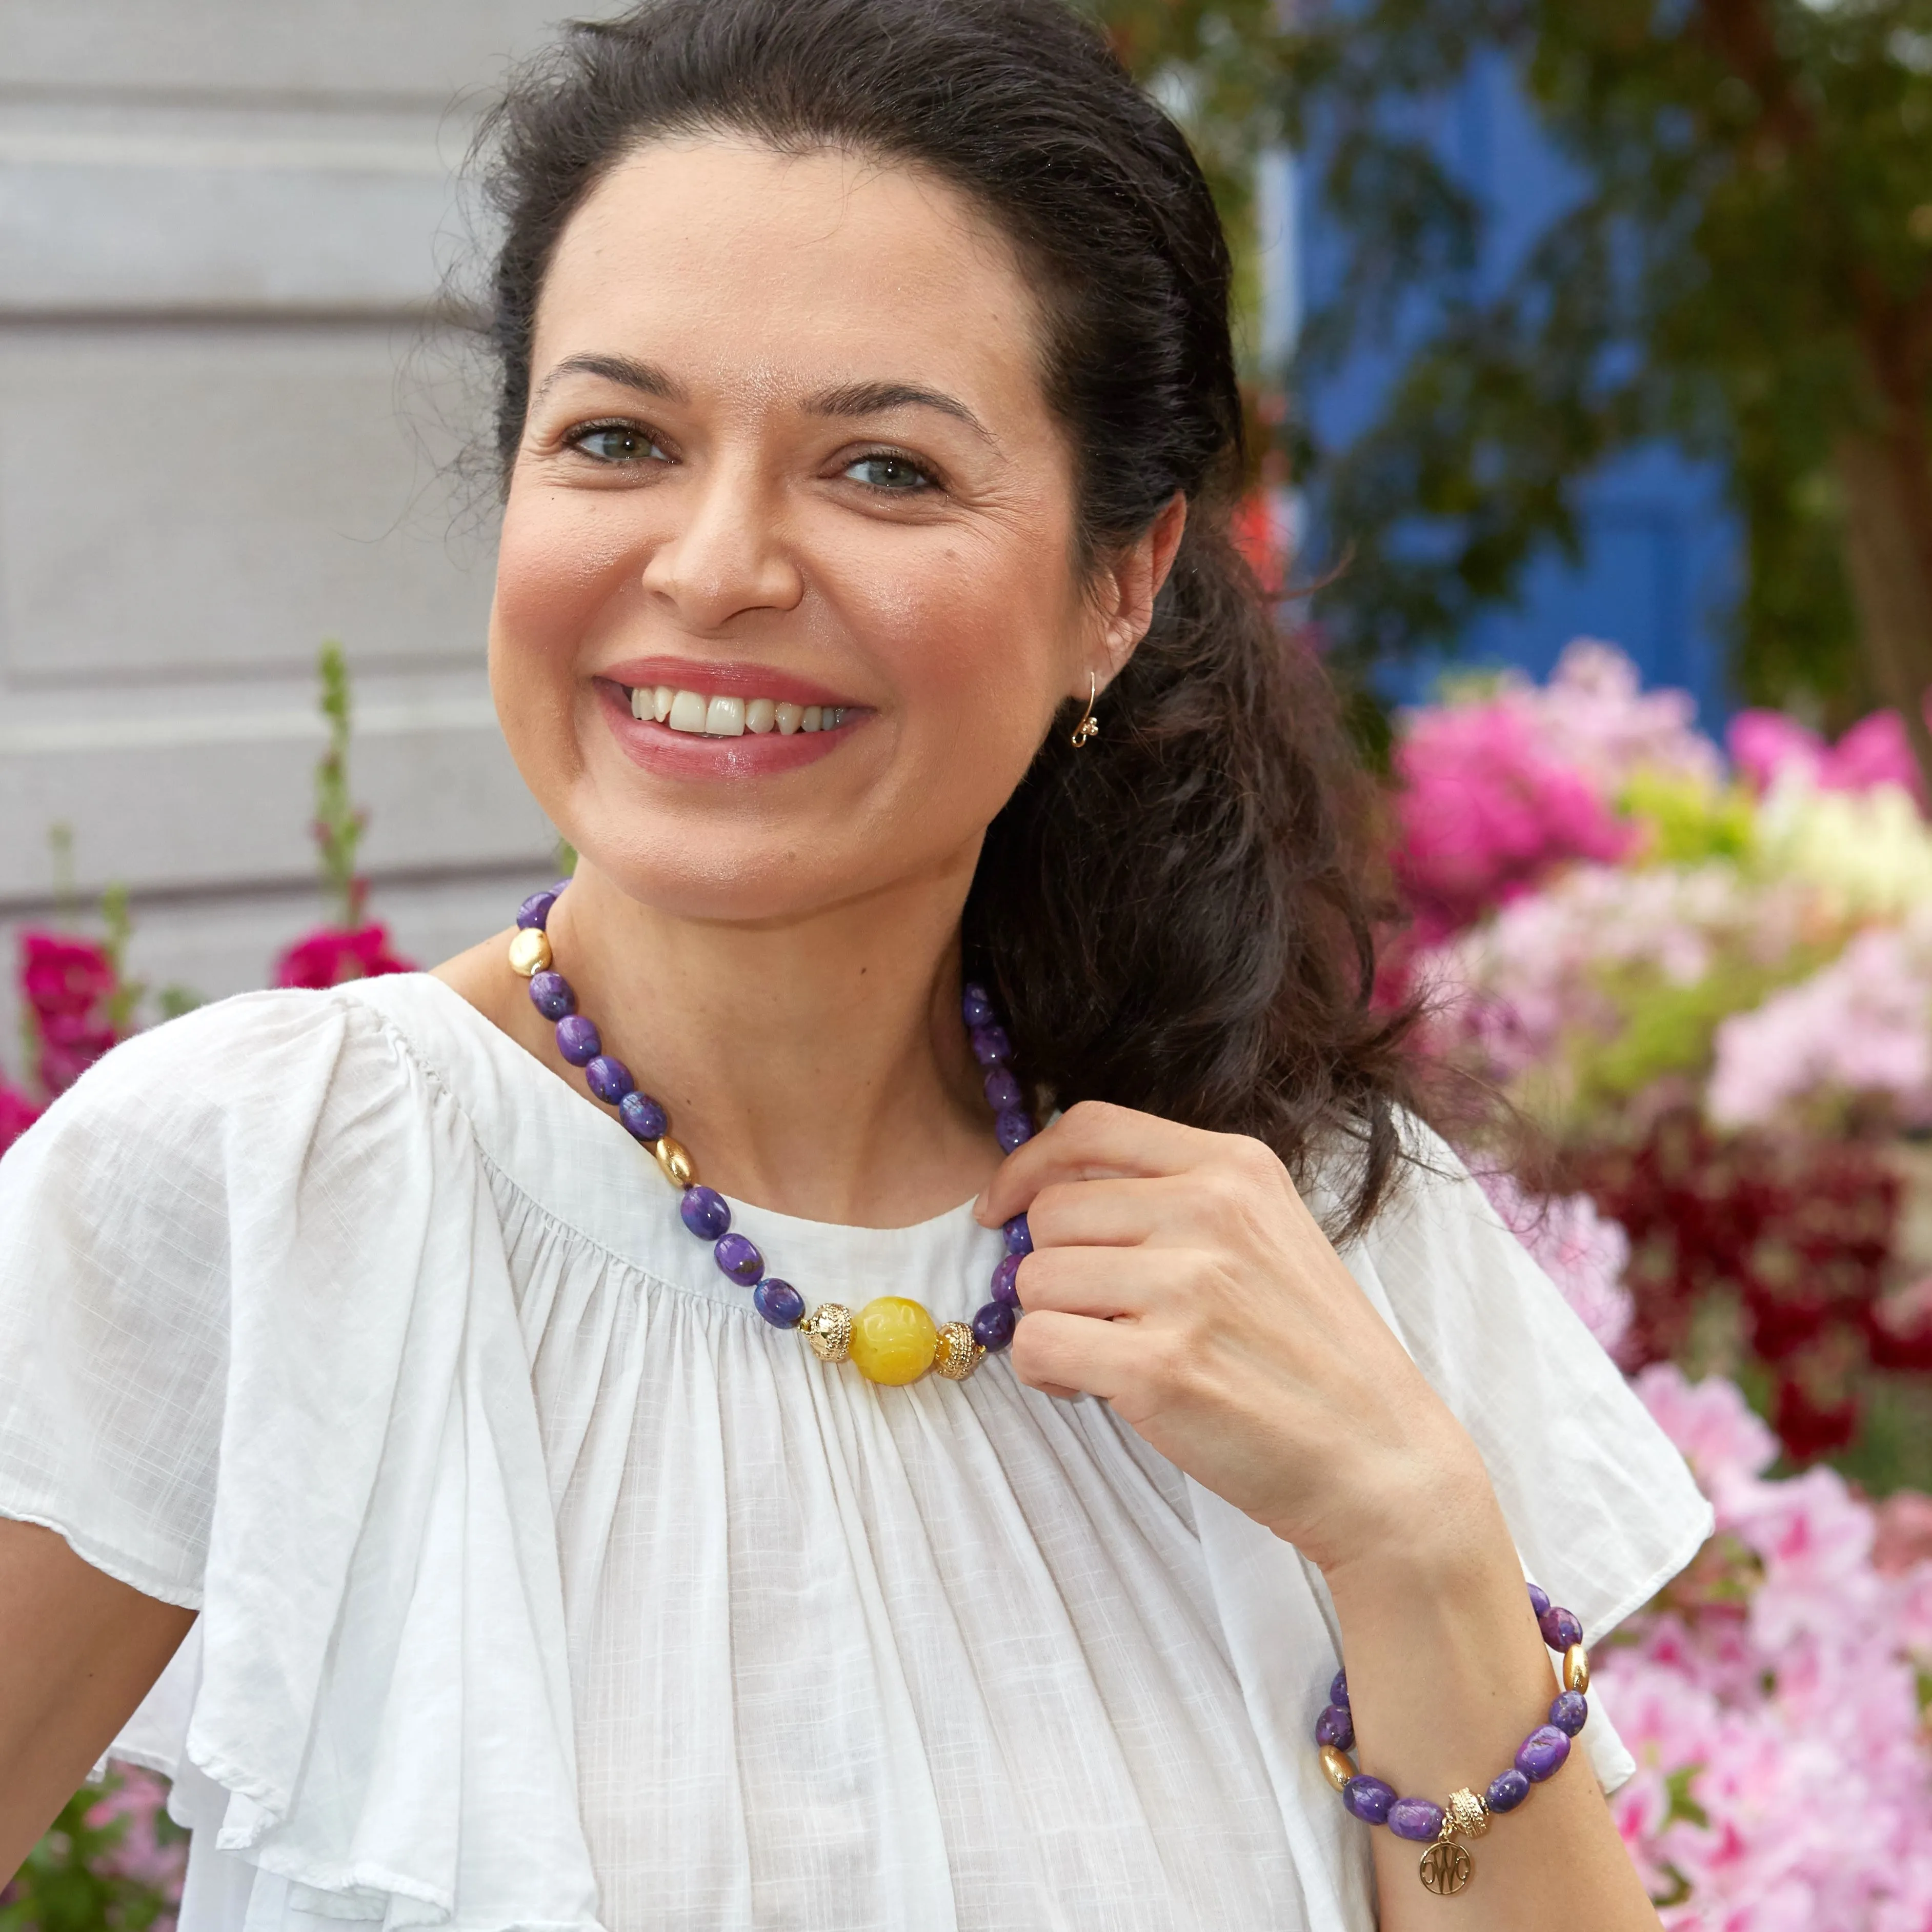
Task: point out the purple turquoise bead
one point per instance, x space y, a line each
1335 1727
991 1046
550 994
779 1302
534 913
643 1115
1019 1236
1418 1819
576 1040
993 1327
1369 1799
1006 1281
1013 1128
1569 1711
1338 1691
609 1079
1560 1628
704 1211
1539 1602
1507 1789
975 1007
1002 1091
738 1257
1541 1754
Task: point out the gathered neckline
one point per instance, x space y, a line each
587 1124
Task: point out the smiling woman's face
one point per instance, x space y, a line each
788 463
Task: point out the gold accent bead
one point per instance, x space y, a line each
1575 1668
1467 1812
958 1354
894 1340
679 1169
829 1329
530 952
1336 1766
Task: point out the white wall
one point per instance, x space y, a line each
226 412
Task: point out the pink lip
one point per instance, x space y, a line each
720 680
684 755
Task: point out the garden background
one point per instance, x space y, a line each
1563 323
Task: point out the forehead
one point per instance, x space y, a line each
748 266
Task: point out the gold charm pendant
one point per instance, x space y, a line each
1446 1867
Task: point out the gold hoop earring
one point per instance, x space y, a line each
1088 729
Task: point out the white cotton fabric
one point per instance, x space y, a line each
545 1588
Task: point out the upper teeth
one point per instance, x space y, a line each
711 717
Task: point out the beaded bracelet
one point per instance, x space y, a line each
1446 1866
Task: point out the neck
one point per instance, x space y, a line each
816 1065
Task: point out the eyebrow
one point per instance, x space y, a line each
872 399
844 399
646 377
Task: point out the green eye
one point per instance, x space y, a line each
892 473
618 442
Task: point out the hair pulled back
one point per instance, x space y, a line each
1173 919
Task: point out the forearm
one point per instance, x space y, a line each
1447 1674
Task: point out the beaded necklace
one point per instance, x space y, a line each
892 1339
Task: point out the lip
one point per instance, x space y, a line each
685 754
727 680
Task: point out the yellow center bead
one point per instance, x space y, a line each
893 1340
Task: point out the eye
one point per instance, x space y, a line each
618 442
898 476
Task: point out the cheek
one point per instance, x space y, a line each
557 567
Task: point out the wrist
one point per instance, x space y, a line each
1437 1532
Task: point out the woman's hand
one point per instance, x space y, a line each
1177 1274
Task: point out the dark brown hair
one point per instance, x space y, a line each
1175 918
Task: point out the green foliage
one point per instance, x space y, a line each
72 1881
1690 823
338 824
1747 269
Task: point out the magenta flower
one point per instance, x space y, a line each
17 1114
66 983
328 957
1766 746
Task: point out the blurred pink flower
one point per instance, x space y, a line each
1766 746
1863 1024
328 957
140 1799
1783 1779
17 1114
1486 813
1583 1253
66 983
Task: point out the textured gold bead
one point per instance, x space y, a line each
1336 1766
829 1329
958 1354
894 1340
679 1169
1466 1812
1575 1668
530 952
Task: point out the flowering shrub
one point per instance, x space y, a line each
1716 997
113 1862
1772 1698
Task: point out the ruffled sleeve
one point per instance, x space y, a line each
259 1356
1602 1507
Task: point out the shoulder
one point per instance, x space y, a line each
177 1111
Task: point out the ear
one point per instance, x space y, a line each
1130 583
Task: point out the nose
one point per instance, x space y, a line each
724 555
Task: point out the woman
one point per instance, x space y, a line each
865 619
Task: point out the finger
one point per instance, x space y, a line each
1106 1283
1092 1140
1111 1214
1057 1352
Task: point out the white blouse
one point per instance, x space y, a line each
543 1587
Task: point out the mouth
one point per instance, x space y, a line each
723 720
717 714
